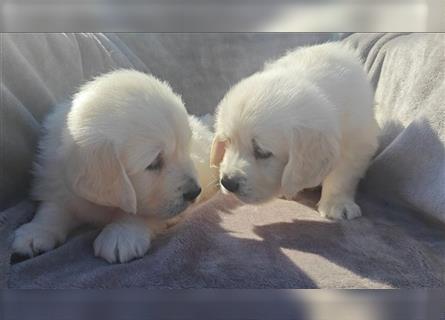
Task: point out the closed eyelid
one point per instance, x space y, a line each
260 153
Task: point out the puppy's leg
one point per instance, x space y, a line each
48 229
123 240
338 191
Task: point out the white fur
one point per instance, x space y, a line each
92 163
313 109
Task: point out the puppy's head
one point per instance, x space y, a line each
273 137
127 145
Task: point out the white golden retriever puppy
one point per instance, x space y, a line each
122 155
306 119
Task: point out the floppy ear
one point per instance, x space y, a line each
312 155
217 151
96 174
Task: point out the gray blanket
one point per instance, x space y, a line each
222 243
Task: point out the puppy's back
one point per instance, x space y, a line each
317 57
337 70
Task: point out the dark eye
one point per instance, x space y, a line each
156 164
260 153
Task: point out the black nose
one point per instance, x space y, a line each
192 193
231 184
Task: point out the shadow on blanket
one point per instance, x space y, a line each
224 245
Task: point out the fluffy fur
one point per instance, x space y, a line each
122 155
304 120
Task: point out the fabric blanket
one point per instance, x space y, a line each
408 72
222 243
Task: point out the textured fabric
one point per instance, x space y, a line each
408 72
223 244
283 244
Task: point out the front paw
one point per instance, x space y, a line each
122 242
32 239
339 209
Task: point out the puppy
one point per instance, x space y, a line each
118 156
306 119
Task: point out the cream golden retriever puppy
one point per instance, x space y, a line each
306 119
124 155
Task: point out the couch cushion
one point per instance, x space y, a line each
408 72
